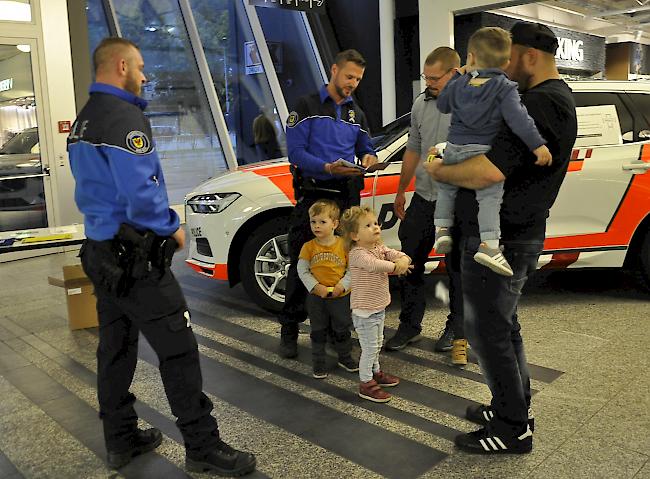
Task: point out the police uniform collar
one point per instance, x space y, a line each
120 93
324 95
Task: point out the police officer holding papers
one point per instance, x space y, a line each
324 131
132 234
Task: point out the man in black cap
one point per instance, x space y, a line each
490 300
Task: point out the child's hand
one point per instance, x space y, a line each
339 289
320 290
402 265
543 155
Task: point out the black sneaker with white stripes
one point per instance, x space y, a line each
481 414
487 441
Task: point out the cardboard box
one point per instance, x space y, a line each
82 304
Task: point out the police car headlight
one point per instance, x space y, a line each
214 203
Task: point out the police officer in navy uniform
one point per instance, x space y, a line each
131 236
323 130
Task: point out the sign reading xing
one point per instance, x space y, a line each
7 84
569 49
314 6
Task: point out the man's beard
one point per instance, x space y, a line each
133 86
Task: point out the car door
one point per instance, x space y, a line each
594 208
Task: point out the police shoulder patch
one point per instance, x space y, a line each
137 142
292 119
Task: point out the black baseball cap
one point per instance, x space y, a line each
534 35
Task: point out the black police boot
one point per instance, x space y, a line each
143 441
223 460
289 341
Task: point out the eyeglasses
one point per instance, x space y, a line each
434 79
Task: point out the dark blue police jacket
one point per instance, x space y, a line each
320 131
117 170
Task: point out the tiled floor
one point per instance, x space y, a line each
587 337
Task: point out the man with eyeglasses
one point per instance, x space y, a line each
417 232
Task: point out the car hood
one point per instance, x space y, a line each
22 164
254 180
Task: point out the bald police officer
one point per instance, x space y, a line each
131 237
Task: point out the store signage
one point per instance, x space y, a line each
314 6
569 49
7 84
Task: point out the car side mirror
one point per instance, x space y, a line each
644 135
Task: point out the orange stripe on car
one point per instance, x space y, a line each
626 220
219 271
561 260
280 176
575 165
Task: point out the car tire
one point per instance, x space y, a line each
265 280
643 267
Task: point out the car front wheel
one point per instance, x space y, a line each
265 264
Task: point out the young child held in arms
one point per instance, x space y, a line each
479 101
322 267
370 264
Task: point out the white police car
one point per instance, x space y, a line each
601 218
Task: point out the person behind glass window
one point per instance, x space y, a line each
265 138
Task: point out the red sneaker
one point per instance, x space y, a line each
372 392
385 380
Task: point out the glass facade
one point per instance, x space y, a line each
97 23
182 123
295 63
239 79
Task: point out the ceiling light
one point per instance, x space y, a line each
24 48
639 2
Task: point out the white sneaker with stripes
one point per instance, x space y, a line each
493 258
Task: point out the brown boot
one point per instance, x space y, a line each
459 352
385 380
372 392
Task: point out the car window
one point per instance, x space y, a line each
22 143
641 103
607 98
397 156
389 133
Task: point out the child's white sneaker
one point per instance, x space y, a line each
493 258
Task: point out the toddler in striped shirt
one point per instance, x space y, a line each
370 263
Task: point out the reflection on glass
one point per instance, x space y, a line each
15 11
239 79
97 23
183 127
289 45
22 195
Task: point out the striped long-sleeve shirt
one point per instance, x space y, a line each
369 269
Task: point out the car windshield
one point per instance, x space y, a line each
389 133
22 143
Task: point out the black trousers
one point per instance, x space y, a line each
330 315
417 235
155 306
294 311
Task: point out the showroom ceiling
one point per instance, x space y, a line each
616 20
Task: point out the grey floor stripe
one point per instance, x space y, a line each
81 421
145 412
539 373
415 392
7 469
358 441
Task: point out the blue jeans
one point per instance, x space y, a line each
489 199
493 330
371 338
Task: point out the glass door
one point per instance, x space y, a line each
24 175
